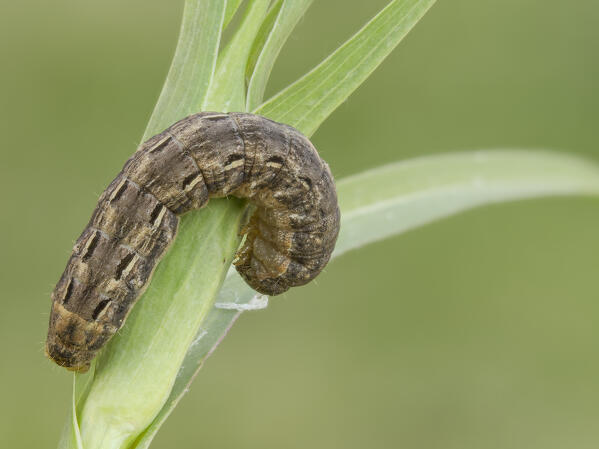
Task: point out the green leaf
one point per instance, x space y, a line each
212 330
261 38
396 198
193 65
276 29
228 90
306 103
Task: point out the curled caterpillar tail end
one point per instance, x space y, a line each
268 286
268 271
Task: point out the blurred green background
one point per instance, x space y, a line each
475 332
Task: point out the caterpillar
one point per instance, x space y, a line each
287 241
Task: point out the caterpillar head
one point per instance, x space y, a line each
72 341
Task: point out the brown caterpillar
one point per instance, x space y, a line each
288 240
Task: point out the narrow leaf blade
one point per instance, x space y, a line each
228 89
306 103
274 33
396 198
193 65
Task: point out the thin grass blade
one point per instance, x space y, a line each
193 65
276 29
306 103
395 198
260 41
227 91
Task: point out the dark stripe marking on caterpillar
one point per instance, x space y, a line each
288 240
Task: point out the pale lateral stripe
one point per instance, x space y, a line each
88 243
194 183
118 189
160 216
105 309
235 164
215 116
129 267
160 144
